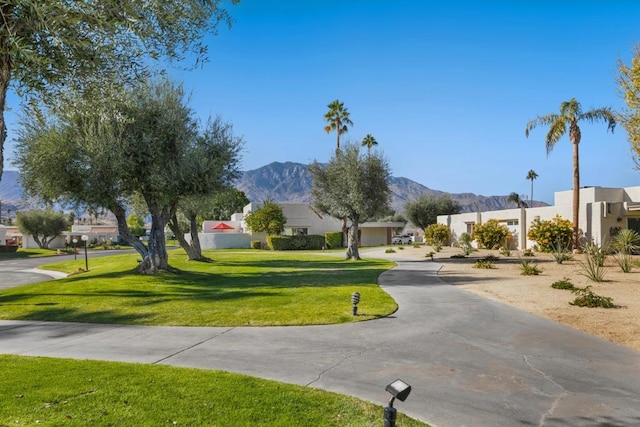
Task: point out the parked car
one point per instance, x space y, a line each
405 239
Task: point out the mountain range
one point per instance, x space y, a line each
290 182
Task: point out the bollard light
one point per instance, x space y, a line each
398 390
355 299
75 253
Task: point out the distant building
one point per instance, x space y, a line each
602 212
302 219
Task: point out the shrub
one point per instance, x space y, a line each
528 268
593 265
389 251
527 252
430 255
586 298
490 258
565 283
464 243
256 244
333 239
437 235
546 234
483 263
625 242
491 234
458 256
293 243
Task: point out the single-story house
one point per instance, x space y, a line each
302 219
602 212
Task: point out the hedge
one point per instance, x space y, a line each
292 243
334 239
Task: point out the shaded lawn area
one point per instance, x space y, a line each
79 393
30 253
237 288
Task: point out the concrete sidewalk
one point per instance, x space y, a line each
471 361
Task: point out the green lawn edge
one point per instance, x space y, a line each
236 288
47 391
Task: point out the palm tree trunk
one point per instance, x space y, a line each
531 197
574 136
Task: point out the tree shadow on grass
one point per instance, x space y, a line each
76 316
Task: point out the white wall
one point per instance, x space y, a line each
227 240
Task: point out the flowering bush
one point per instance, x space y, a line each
437 235
491 234
551 234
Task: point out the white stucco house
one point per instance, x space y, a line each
302 219
601 211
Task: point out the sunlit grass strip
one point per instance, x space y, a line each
235 289
78 393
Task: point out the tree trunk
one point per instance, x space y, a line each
193 249
125 232
352 243
5 77
574 136
157 258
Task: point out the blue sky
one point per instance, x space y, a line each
446 88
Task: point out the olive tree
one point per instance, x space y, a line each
424 211
143 143
50 45
352 186
42 225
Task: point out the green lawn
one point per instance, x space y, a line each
237 288
30 253
81 393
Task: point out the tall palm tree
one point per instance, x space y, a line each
338 120
515 198
369 141
531 175
570 115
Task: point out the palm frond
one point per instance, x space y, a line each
571 109
601 115
540 121
556 131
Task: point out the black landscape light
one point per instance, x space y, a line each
398 390
86 258
355 299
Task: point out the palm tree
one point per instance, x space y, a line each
570 115
515 198
369 141
338 120
531 175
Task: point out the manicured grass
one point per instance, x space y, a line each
79 393
237 288
30 253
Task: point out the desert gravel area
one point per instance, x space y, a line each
534 294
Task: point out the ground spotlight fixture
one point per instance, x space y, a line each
355 299
398 390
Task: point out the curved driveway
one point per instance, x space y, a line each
471 361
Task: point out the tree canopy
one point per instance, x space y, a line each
352 186
268 218
424 210
42 225
52 45
143 142
629 88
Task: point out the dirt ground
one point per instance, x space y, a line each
534 294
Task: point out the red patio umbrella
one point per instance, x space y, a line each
222 226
